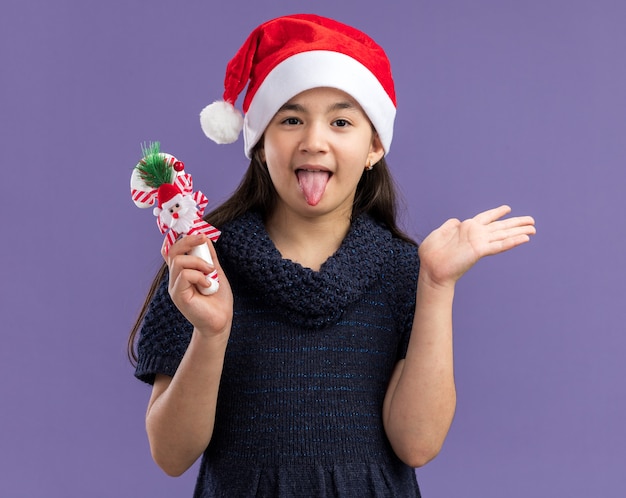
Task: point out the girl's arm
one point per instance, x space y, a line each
421 397
181 410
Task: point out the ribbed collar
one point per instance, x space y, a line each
308 298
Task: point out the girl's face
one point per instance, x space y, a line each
316 148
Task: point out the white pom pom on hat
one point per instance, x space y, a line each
221 122
288 55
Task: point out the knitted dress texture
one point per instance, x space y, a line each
308 361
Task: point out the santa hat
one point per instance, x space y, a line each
291 54
166 194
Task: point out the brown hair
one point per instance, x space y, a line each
375 195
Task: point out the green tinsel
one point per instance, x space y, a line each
154 169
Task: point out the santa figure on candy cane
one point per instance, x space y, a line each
160 178
175 210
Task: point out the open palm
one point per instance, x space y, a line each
453 248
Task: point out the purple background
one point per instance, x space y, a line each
522 102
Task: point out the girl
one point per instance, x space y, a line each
323 364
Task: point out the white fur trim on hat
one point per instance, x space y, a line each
315 69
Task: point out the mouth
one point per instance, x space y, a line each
312 181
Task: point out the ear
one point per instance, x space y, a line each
258 151
376 150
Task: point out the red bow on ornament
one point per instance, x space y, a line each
160 179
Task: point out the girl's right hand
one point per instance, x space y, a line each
210 315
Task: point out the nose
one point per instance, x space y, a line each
314 138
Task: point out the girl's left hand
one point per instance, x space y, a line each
452 249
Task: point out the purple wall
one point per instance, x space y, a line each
499 101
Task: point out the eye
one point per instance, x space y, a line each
177 205
171 210
341 123
291 121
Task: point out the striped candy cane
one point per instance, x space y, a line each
144 196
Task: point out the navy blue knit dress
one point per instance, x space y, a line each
308 362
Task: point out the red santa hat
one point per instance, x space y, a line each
166 193
291 54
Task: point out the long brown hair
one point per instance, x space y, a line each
375 195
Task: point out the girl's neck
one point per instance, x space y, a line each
309 241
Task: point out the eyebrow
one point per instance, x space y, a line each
342 105
290 107
337 106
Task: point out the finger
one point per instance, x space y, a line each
511 242
183 262
504 240
182 246
450 225
164 250
518 221
492 215
188 274
207 253
512 231
187 279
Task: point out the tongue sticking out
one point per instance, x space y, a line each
313 185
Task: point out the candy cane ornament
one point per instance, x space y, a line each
159 181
